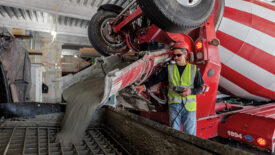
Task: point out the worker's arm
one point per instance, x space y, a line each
198 84
160 77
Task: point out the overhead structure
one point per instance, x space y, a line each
68 17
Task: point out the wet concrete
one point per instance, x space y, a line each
136 134
83 98
143 136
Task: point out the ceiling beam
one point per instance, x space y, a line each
44 27
58 7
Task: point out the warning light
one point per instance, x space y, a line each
198 45
261 141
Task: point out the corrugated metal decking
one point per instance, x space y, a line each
68 17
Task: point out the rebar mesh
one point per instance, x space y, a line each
40 141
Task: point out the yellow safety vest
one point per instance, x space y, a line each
186 80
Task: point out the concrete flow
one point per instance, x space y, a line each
83 93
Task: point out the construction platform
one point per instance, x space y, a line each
117 131
40 140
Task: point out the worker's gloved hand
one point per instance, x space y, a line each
186 92
140 88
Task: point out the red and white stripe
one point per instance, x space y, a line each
247 50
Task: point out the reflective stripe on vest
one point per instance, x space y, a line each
186 80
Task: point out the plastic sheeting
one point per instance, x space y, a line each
17 67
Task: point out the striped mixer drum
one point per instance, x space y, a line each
247 49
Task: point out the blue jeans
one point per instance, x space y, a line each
178 114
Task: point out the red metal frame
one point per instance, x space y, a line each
118 80
153 33
206 103
249 124
239 120
128 20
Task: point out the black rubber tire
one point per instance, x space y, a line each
219 14
95 36
171 16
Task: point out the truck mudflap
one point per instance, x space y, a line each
140 70
254 126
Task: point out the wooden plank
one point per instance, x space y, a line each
88 50
35 52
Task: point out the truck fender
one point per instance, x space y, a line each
111 7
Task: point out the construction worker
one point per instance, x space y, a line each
185 81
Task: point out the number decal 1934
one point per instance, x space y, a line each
234 134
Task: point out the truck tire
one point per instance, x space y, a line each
177 16
219 14
101 36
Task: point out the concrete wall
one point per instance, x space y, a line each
36 87
50 61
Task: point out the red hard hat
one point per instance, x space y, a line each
181 45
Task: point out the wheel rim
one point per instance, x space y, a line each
109 37
189 3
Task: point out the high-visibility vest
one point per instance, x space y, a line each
186 80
